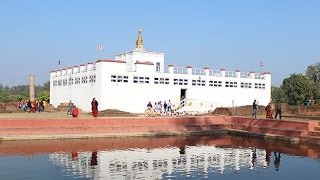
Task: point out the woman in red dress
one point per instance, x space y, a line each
94 107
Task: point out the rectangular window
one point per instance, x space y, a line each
141 80
246 85
119 78
70 81
92 78
259 86
59 82
77 80
215 83
157 67
180 82
231 84
161 80
65 82
84 79
55 83
198 82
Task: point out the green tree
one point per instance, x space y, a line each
313 72
277 94
297 88
43 95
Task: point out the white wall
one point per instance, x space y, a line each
113 93
80 94
133 97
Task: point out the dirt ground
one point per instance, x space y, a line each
42 115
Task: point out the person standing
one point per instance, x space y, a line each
269 111
254 108
169 107
165 106
70 106
278 109
94 107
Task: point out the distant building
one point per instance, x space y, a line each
136 77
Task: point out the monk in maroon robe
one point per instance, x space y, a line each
269 111
94 107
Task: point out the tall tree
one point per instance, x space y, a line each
313 72
277 94
297 88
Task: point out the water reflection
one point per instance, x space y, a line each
158 158
277 156
154 163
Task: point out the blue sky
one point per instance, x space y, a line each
230 34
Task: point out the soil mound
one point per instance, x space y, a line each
115 113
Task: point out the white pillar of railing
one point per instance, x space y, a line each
223 72
252 73
189 70
206 71
237 73
171 68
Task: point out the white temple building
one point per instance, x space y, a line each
135 77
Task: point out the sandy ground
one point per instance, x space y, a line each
43 115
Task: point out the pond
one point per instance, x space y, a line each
186 157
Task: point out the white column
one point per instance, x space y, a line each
31 85
206 71
237 73
189 70
223 72
171 68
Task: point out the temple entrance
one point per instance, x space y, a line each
183 94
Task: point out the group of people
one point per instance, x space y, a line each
31 106
159 108
74 111
268 109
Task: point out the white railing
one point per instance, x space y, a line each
197 71
258 76
245 75
231 74
180 70
216 73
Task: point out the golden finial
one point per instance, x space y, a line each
139 42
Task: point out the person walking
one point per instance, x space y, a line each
94 107
254 108
70 106
278 109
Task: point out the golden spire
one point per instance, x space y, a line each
139 41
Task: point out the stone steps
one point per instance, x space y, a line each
314 133
317 128
310 139
269 130
159 126
109 129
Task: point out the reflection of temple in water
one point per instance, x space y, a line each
154 163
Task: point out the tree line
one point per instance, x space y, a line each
297 89
21 92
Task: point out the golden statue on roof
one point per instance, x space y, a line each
139 42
